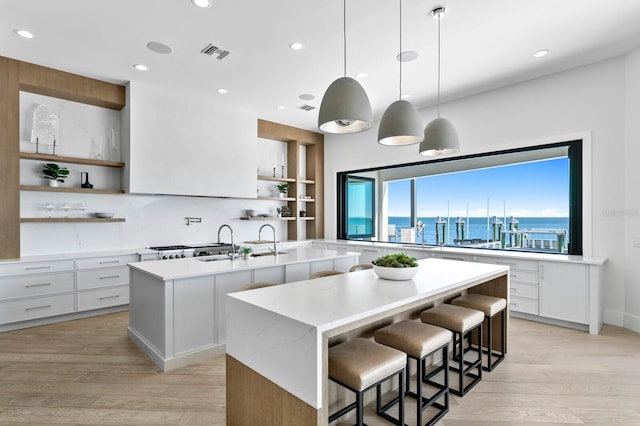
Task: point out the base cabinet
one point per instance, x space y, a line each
227 283
564 291
193 314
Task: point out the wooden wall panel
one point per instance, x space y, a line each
9 160
64 85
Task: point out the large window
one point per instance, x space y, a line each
527 200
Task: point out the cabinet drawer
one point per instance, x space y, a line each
454 256
107 261
523 276
523 264
105 277
527 306
37 307
26 268
36 285
517 289
103 298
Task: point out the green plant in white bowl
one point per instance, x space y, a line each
397 266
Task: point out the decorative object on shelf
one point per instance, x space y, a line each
285 211
104 215
49 208
440 137
274 172
54 173
99 154
80 207
397 266
84 180
246 252
282 189
303 213
45 127
400 124
65 209
345 106
250 213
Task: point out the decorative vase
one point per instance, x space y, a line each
396 274
84 180
281 194
53 183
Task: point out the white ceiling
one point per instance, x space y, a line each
485 44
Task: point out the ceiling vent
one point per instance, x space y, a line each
211 50
306 107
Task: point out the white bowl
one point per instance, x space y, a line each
396 274
105 215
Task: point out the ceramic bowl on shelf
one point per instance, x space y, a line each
105 215
396 274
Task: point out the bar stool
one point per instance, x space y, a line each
360 267
419 341
361 364
321 274
462 322
490 306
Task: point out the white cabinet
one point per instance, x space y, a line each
564 291
453 256
227 283
103 298
273 275
210 148
297 272
193 314
367 254
523 282
95 278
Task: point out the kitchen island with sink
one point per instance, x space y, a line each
177 306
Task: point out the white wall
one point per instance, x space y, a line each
586 100
632 194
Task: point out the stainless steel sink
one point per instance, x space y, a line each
267 253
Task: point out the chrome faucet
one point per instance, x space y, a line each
233 247
275 247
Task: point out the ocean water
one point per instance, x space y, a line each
475 227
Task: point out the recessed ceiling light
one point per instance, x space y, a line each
362 75
296 45
161 48
280 107
307 97
407 56
202 3
405 96
24 33
540 53
141 67
222 91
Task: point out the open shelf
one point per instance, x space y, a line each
307 181
268 218
277 198
276 179
70 160
63 189
307 218
69 219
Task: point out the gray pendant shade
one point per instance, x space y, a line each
400 125
345 108
440 137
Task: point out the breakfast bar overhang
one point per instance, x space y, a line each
278 337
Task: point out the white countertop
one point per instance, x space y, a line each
172 269
79 255
471 251
333 301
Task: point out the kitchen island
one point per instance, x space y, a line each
177 307
278 337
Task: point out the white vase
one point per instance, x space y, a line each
281 194
53 183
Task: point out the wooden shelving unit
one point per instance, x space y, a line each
313 178
64 189
70 160
70 219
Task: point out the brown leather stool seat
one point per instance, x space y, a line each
462 322
490 306
419 341
361 364
321 274
360 267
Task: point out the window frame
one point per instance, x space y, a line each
343 202
576 186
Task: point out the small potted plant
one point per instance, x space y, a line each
54 173
282 189
397 266
246 252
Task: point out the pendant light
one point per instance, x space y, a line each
345 106
401 123
440 137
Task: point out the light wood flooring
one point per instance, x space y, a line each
88 372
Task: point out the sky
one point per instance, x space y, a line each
534 189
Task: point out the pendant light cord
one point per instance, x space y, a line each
439 17
344 33
400 53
